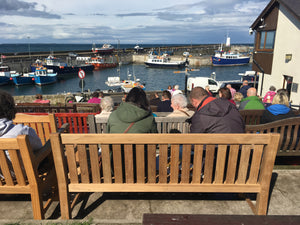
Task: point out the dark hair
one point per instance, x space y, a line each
138 97
198 93
39 96
225 92
95 94
7 106
166 94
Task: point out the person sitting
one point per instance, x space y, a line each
252 101
133 115
154 99
165 104
95 98
179 105
208 91
107 106
237 99
39 99
269 96
232 90
226 94
176 90
8 129
244 88
278 110
214 115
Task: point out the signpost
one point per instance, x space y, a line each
81 75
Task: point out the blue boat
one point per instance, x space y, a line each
60 67
22 79
222 58
4 75
42 77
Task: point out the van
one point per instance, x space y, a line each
203 82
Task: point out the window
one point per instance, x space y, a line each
267 39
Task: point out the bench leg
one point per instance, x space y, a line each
262 203
37 204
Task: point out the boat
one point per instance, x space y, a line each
22 79
138 48
222 58
125 85
60 67
101 63
4 74
163 61
42 76
105 49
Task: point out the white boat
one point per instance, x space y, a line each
105 49
163 61
4 74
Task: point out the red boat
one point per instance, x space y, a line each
105 49
101 63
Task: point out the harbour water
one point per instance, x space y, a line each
154 79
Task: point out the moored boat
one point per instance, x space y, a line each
163 61
4 74
43 77
105 49
101 63
22 79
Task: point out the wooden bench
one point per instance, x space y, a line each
78 122
84 107
234 163
164 124
252 116
289 129
44 107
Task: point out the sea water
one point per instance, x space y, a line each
153 78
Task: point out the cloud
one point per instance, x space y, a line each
26 9
133 14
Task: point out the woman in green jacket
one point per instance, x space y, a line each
133 115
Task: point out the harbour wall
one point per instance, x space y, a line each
201 55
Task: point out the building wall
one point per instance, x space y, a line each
286 42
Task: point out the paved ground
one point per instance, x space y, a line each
128 208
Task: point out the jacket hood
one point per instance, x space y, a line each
278 109
129 113
217 108
5 125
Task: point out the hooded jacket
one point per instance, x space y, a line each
9 130
217 116
276 112
127 113
251 102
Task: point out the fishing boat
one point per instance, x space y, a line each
163 61
60 67
100 62
4 74
22 79
222 58
42 76
105 49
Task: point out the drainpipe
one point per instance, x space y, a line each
263 75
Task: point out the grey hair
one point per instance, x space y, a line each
107 104
179 100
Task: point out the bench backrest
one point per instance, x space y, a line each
84 107
164 124
44 107
252 116
78 122
42 124
289 130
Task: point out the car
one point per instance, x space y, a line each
73 54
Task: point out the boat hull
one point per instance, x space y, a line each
165 65
4 80
218 61
67 69
100 66
21 80
44 80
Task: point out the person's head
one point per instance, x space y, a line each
101 95
178 101
7 106
224 93
107 104
251 92
272 88
138 97
245 83
176 87
197 95
169 87
95 94
228 86
39 96
282 90
166 95
238 96
281 98
153 95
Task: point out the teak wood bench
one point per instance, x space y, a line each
289 130
233 163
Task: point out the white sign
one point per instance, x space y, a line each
81 74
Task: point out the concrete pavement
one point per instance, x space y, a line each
128 208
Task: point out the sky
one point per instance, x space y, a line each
128 21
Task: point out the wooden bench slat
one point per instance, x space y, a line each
174 165
151 154
117 160
186 163
71 158
140 164
106 165
17 167
94 158
209 163
163 163
4 163
255 164
244 164
128 153
220 166
232 164
197 165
